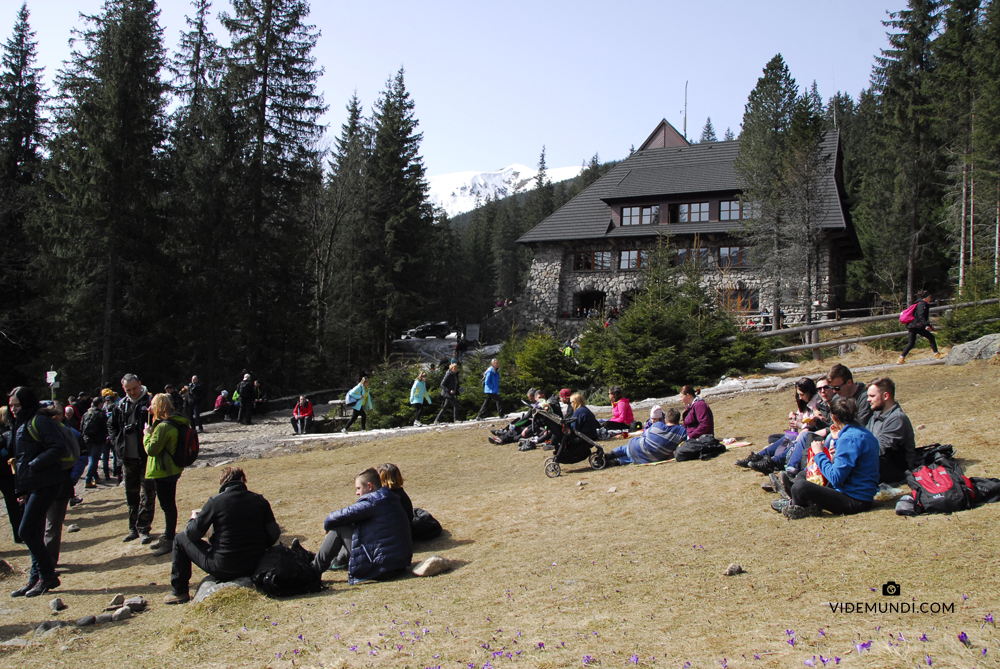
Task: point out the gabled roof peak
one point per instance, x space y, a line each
663 137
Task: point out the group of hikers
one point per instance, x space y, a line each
372 538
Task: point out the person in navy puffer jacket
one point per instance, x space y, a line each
372 535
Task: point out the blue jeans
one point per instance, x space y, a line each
620 454
96 451
32 530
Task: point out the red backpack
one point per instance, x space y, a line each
942 488
186 451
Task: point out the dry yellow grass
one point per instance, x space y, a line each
582 570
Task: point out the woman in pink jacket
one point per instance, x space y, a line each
621 411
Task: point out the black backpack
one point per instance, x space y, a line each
934 453
283 572
942 488
91 428
424 526
704 447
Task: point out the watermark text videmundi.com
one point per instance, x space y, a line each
892 589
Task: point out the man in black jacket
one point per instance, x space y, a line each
243 528
248 394
449 393
920 325
197 392
128 418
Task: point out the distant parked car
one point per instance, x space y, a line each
439 330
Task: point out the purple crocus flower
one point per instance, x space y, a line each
587 660
928 658
923 637
964 638
810 662
541 646
635 658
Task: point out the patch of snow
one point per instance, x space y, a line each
458 192
781 366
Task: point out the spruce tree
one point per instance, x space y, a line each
986 134
708 133
729 136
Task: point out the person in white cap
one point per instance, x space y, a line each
246 393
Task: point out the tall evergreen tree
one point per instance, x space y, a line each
986 133
708 133
22 132
729 136
105 224
763 146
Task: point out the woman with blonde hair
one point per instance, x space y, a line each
392 479
419 397
160 443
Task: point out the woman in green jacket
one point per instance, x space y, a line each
160 442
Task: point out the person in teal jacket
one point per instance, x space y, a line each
419 397
160 443
359 399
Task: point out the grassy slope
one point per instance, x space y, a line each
582 570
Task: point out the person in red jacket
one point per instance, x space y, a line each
302 416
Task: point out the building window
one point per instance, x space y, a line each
586 261
730 210
740 300
701 257
634 259
641 215
692 213
734 256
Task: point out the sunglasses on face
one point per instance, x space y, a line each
835 388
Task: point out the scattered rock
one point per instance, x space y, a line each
50 625
73 528
209 586
223 463
17 642
104 618
86 621
613 489
920 427
581 483
733 570
983 348
124 613
57 604
137 604
5 569
433 566
115 603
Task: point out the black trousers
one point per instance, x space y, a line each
302 424
890 472
806 493
14 509
166 495
199 552
490 397
418 410
354 416
911 340
246 411
140 495
445 403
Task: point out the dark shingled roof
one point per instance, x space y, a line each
669 173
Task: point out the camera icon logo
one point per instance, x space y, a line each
890 589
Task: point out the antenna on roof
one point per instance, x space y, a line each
685 110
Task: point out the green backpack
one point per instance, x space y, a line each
70 442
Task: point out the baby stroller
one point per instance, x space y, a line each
573 446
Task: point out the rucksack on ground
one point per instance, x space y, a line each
424 526
283 572
942 488
907 316
934 453
187 449
704 447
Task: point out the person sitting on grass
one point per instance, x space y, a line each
656 443
423 525
302 416
583 421
243 528
621 411
697 417
807 417
892 428
371 536
851 477
512 432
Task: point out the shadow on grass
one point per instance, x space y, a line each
445 541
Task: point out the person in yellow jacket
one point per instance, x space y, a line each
160 442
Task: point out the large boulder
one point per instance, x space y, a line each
983 348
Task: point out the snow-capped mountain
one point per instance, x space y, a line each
456 193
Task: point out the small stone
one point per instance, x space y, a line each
124 613
581 483
136 604
86 621
104 618
434 565
73 528
57 604
115 603
733 570
613 489
920 427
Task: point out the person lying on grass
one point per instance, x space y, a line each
847 482
371 537
656 443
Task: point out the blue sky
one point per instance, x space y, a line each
494 82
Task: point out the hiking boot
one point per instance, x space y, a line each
164 549
91 484
768 487
901 361
786 484
131 536
145 539
173 598
76 500
764 466
745 462
795 512
43 586
939 355
23 590
416 423
776 483
780 504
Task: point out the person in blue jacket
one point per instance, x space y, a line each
360 400
491 386
419 397
372 535
852 475
40 479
